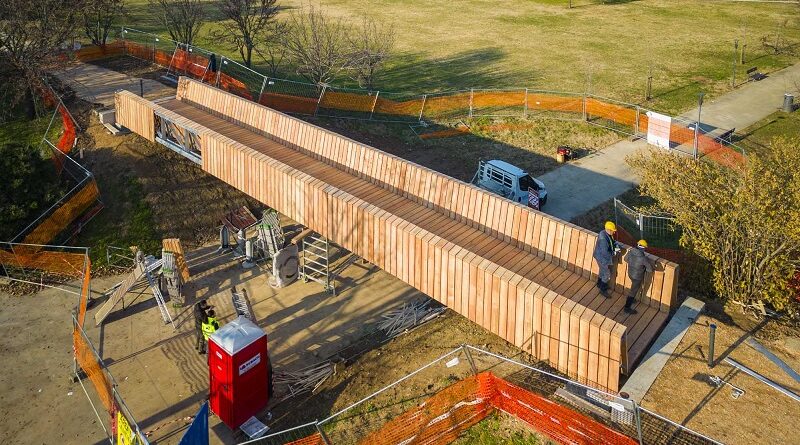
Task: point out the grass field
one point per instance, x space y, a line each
543 44
779 124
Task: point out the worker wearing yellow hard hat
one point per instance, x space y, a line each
605 249
638 266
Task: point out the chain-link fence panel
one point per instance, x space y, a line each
614 115
306 434
553 105
396 107
498 103
241 80
347 103
290 96
659 230
399 404
447 105
138 44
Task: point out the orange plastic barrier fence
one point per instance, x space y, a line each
435 105
557 422
440 419
32 257
47 230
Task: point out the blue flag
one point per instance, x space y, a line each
197 434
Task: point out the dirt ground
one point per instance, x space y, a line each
39 403
684 394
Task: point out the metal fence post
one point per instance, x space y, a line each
219 70
322 433
584 107
424 99
525 110
319 101
471 94
375 102
263 85
636 122
638 419
155 39
469 359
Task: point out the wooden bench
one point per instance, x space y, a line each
755 75
725 138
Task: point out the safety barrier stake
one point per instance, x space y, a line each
584 107
375 102
319 101
525 110
322 434
424 99
638 418
469 359
471 95
636 123
219 69
263 85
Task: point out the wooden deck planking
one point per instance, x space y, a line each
517 274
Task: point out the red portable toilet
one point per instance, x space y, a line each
238 371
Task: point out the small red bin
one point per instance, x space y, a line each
238 371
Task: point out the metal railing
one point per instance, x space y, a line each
352 103
659 229
370 414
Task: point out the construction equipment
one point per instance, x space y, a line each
316 261
141 266
154 286
270 234
241 304
736 392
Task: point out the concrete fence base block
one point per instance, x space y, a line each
653 362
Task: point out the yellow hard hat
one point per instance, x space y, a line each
611 226
642 243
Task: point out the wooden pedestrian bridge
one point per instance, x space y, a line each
523 275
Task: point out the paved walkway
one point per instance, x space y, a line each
97 84
580 186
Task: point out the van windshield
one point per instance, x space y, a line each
526 182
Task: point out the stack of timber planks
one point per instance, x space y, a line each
519 273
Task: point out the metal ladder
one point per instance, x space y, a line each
270 234
316 262
241 303
162 307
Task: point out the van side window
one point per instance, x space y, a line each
500 178
526 181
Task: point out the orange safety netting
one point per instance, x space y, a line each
32 257
63 216
490 99
411 108
95 52
289 103
348 101
554 102
440 419
617 113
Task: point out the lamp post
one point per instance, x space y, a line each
697 124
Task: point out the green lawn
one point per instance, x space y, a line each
759 135
543 44
500 429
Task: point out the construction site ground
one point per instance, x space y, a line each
150 192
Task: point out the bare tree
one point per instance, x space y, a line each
371 45
182 18
270 47
98 16
30 34
250 18
317 45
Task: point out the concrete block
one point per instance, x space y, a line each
653 362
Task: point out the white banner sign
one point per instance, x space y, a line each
658 129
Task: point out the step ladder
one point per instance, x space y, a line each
140 268
316 262
241 303
151 280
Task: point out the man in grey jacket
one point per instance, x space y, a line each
638 265
604 250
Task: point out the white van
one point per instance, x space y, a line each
508 181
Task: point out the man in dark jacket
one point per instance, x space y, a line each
604 250
200 317
638 265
